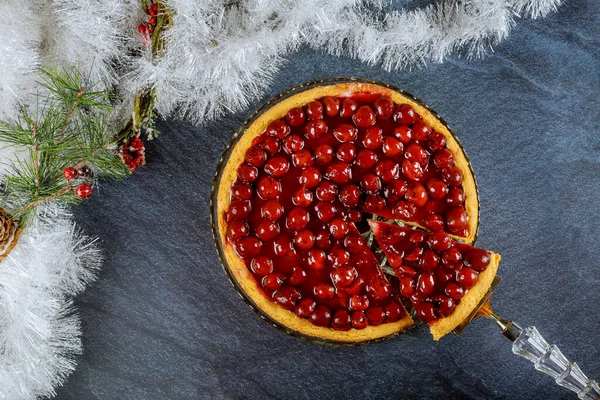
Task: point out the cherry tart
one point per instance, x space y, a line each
444 279
294 191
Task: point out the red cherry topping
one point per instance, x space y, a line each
236 230
353 215
320 316
278 129
272 210
332 106
412 170
393 312
467 277
338 172
292 144
302 159
305 307
326 191
248 247
295 117
375 315
358 303
437 141
239 209
454 290
392 147
387 170
256 156
405 115
310 177
323 240
365 159
384 106
434 223
416 153
302 197
325 211
404 210
297 218
370 183
348 108
323 154
338 228
277 166
354 243
407 286
273 281
241 191
247 173
416 237
443 159
339 257
261 265
344 276
478 259
267 230
395 189
426 284
315 129
268 188
413 256
429 261
350 195
374 203
378 289
451 256
455 197
305 239
416 194
287 297
456 219
359 320
403 134
437 188
314 110
447 305
270 144
346 152
420 131
364 117
425 312
316 259
324 291
341 320
345 133
373 138
283 247
297 277
439 241
452 176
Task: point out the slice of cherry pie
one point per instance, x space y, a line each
296 188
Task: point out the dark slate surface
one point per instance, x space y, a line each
163 321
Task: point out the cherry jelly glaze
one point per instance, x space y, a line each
434 271
304 179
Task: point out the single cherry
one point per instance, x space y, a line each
256 156
350 195
447 305
392 147
326 191
287 297
278 129
373 138
341 320
395 189
387 170
302 197
364 117
277 166
429 261
283 247
412 170
436 188
454 290
310 177
353 215
354 243
247 173
297 218
456 219
374 203
324 291
348 108
384 107
403 134
404 114
325 211
305 239
375 315
393 312
292 144
315 129
345 133
455 197
270 144
478 259
416 237
320 316
273 281
239 209
404 210
323 154
370 183
323 240
439 241
316 259
305 307
416 153
267 230
338 228
378 289
426 284
338 172
297 277
295 117
271 209
248 247
407 286
421 131
443 159
416 194
241 191
452 176
332 106
434 223
365 159
359 320
268 188
344 276
346 152
339 257
467 277
236 230
302 158
425 312
437 141
314 110
451 256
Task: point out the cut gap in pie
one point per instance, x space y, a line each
296 187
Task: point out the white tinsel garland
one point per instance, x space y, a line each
219 56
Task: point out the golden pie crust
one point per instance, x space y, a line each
246 281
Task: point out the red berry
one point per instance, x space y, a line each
332 106
267 230
314 110
152 20
354 243
248 247
443 159
287 297
434 223
323 240
425 312
273 281
278 129
393 312
437 141
272 210
247 173
429 261
69 173
261 265
292 144
439 241
238 209
416 153
302 158
325 211
141 29
297 218
467 277
392 147
374 203
378 289
455 197
297 277
256 156
270 144
405 115
454 290
324 291
456 219
344 276
375 315
452 176
384 106
323 154
345 133
350 195
236 230
320 316
268 188
338 172
316 259
302 197
444 275
477 259
283 247
359 320
305 307
437 188
387 170
358 303
346 152
339 257
353 215
310 177
426 284
407 286
341 320
338 228
305 239
348 107
395 189
451 256
420 131
315 129
364 117
412 170
403 134
373 138
404 210
295 117
326 191
370 183
416 237
416 194
365 159
241 191
277 166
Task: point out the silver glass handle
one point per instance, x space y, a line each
528 343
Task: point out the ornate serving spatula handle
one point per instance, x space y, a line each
528 343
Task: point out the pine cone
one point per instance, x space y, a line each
7 229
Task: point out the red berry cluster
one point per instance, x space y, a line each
133 153
79 174
145 30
